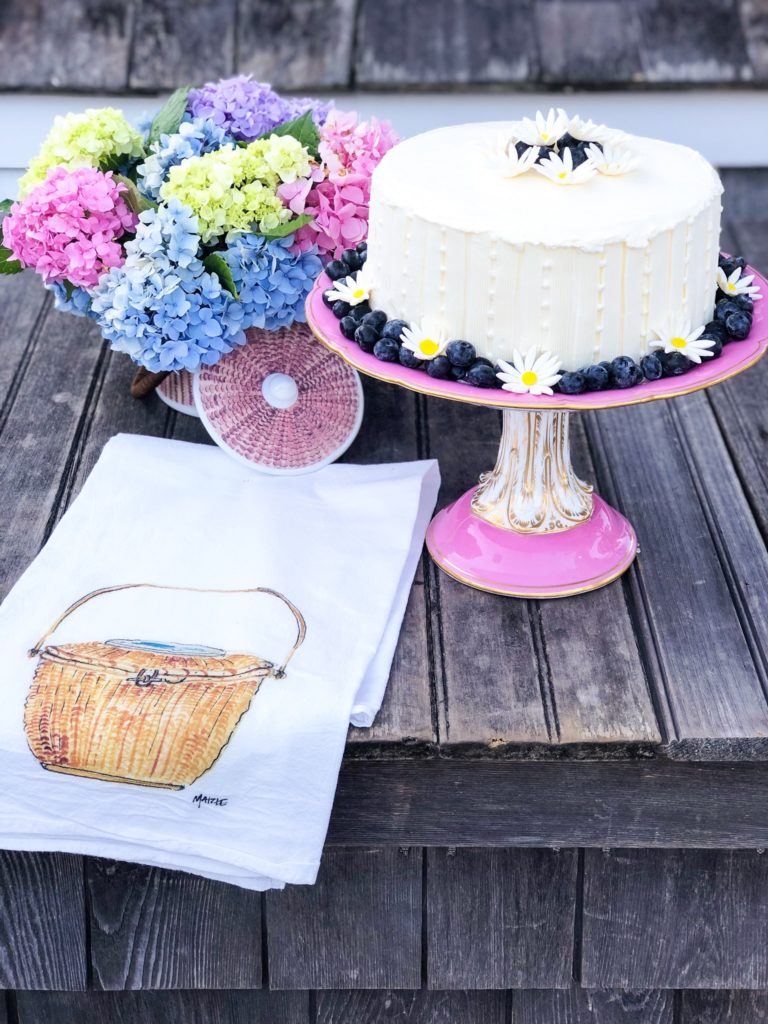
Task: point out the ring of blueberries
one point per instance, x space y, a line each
376 334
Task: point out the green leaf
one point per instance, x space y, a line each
112 163
288 228
168 118
301 128
214 263
8 265
135 200
5 206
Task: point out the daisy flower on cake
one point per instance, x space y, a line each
426 340
531 373
735 284
679 336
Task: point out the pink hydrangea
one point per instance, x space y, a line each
338 193
67 228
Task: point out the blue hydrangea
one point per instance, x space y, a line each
193 138
272 282
78 301
161 307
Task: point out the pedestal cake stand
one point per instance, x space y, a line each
531 527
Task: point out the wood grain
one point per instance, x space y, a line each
402 43
303 45
754 22
410 1008
359 926
172 43
579 1006
155 929
518 908
675 919
684 42
42 922
713 1007
69 44
163 1008
561 803
585 41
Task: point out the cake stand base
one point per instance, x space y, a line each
503 561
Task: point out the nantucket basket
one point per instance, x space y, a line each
141 712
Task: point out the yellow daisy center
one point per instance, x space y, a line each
529 377
678 342
563 174
545 136
731 287
358 293
428 346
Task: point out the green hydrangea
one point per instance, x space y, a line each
235 188
83 140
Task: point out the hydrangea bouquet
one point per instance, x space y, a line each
178 235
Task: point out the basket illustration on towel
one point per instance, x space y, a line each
141 712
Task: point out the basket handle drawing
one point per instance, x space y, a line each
278 673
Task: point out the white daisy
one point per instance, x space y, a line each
560 169
426 340
542 130
504 159
353 289
534 373
676 336
737 285
588 131
611 159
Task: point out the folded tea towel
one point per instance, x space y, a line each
183 658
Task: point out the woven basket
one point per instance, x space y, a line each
141 712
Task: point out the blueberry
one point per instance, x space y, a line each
439 367
717 343
336 269
340 309
578 155
566 141
572 383
360 310
480 376
408 358
738 325
352 259
461 353
348 326
458 372
361 247
651 366
606 364
596 378
376 318
328 298
385 349
674 363
393 329
521 147
744 302
482 361
624 372
366 337
724 308
729 263
717 329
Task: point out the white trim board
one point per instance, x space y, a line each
725 125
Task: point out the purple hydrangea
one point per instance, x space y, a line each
272 281
295 106
246 109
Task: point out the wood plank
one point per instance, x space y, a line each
303 45
675 919
422 1007
450 43
754 21
588 41
359 926
70 44
172 43
155 929
163 1008
684 42
23 302
713 1007
518 908
578 1006
42 921
556 803
535 674
708 688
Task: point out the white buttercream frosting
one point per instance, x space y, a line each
509 261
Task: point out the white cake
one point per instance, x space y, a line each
585 271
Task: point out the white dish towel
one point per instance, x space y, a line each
167 683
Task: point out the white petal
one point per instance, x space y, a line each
516 386
517 360
506 367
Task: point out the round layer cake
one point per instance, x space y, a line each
585 264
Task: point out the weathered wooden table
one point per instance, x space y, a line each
560 814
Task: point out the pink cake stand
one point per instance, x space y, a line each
531 527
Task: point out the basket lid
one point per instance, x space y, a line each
153 661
